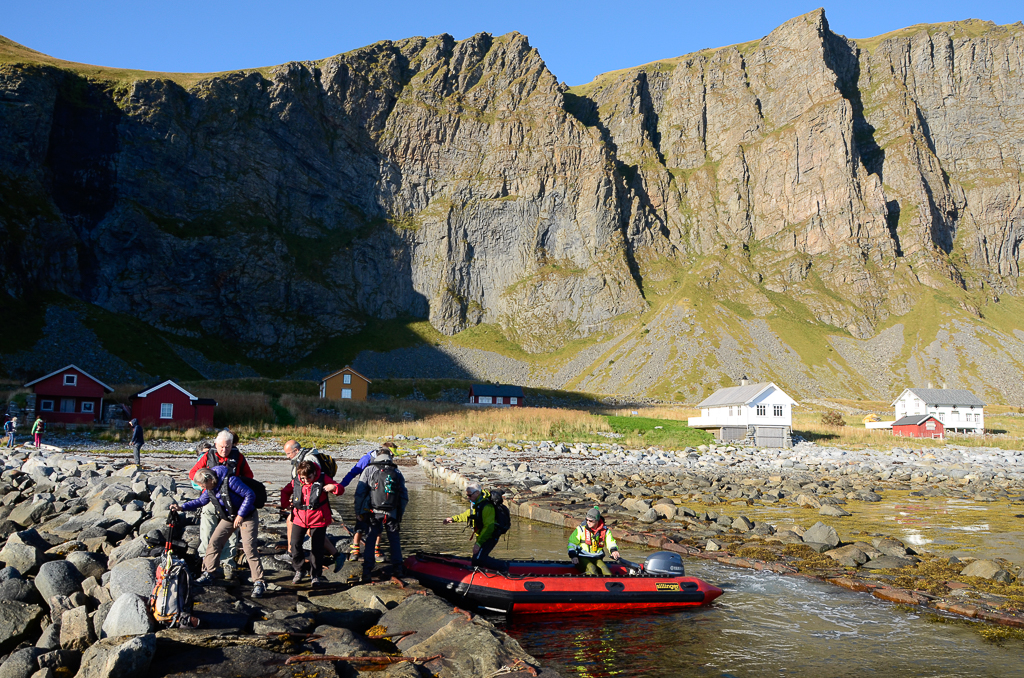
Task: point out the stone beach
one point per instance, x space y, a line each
78 570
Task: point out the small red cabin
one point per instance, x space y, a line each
69 396
496 395
919 426
168 404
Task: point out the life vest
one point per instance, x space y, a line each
232 461
317 496
592 542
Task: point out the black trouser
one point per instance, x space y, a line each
378 525
483 556
316 548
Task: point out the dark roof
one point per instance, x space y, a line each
496 390
947 397
206 401
915 420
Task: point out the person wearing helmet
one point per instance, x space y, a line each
589 542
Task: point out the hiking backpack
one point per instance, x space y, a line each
502 516
326 462
258 489
384 487
172 597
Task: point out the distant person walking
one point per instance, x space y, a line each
9 428
381 499
137 441
37 431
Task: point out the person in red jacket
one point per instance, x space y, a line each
223 453
312 514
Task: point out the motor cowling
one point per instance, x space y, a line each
665 564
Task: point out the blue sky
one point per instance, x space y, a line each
578 40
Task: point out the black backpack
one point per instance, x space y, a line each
384 486
258 489
502 516
323 460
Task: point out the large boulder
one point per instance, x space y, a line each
75 630
118 658
822 534
833 512
128 616
17 621
20 664
133 576
28 513
19 589
58 578
89 564
986 569
127 550
22 557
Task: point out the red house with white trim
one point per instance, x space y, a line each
69 396
168 404
919 426
496 395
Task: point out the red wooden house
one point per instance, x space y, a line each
496 395
919 426
69 396
168 404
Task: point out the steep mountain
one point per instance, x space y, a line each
842 216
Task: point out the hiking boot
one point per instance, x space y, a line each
203 579
316 582
297 577
283 557
259 587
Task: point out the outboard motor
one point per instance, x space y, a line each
664 564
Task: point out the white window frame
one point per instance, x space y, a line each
513 400
67 408
484 400
46 406
346 378
762 410
167 410
500 400
346 394
71 380
778 411
88 407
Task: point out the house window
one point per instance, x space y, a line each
88 406
956 415
778 410
762 410
484 400
46 405
67 404
500 400
513 401
71 380
346 379
977 419
346 394
942 417
166 410
930 425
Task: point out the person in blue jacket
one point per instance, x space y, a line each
234 503
361 526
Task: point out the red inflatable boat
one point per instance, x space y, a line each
539 586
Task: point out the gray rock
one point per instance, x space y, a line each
75 630
100 616
986 569
848 553
649 516
128 616
832 511
17 621
714 545
28 513
133 576
19 589
817 546
58 578
743 524
118 658
890 546
822 533
7 573
25 559
50 638
88 564
21 664
127 551
60 659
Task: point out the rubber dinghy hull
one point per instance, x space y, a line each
543 586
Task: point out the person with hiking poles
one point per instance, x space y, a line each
235 506
381 499
490 519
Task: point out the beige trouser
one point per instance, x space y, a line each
225 528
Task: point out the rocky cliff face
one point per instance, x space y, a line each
800 180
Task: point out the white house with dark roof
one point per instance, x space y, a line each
759 413
958 409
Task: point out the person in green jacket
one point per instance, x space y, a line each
588 543
482 514
37 431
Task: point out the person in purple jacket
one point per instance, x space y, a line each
236 511
362 526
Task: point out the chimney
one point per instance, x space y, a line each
744 381
929 384
943 385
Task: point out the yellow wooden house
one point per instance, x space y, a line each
345 384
